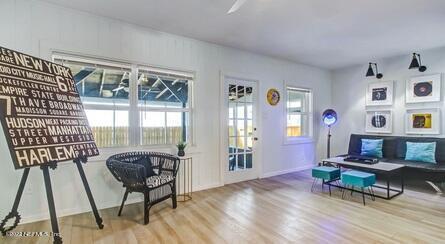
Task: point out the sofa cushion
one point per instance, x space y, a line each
439 168
158 180
421 151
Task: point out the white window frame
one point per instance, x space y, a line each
310 114
189 110
133 107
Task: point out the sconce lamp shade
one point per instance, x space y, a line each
370 71
414 63
329 117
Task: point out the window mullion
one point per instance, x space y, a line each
133 110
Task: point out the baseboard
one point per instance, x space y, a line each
282 172
206 187
74 211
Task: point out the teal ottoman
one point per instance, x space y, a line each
358 179
325 173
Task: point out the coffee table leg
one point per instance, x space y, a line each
403 180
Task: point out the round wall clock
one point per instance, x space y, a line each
273 97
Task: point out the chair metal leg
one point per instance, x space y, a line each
146 208
123 202
371 191
363 195
338 184
343 193
313 184
322 185
174 201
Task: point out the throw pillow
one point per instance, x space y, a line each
421 151
372 148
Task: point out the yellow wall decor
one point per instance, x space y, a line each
273 96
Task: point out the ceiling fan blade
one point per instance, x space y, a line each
236 6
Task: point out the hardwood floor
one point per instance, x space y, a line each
280 209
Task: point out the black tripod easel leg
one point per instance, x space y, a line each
14 212
51 206
99 220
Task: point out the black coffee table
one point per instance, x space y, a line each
388 170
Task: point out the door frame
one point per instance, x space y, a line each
223 143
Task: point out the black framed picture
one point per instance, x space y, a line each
380 93
379 121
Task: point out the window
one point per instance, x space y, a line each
164 107
150 108
299 113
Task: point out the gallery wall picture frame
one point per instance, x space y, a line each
421 89
378 121
380 93
423 121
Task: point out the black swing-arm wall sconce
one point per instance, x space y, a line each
370 71
417 64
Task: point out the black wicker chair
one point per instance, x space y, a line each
131 169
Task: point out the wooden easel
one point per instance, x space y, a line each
49 194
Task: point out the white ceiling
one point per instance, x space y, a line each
325 33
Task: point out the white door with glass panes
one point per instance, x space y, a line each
240 97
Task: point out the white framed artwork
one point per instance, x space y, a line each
423 121
380 93
378 121
423 89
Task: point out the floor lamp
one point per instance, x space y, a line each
329 118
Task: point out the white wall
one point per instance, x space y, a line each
349 89
39 28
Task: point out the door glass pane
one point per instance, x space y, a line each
240 111
232 108
232 162
249 94
249 110
249 144
232 144
241 94
232 128
240 127
249 160
240 144
241 162
232 93
249 128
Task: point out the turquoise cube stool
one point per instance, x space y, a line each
325 173
358 179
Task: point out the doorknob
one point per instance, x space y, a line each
255 138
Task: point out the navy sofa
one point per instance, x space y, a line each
394 150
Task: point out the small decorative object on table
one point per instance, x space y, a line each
181 146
